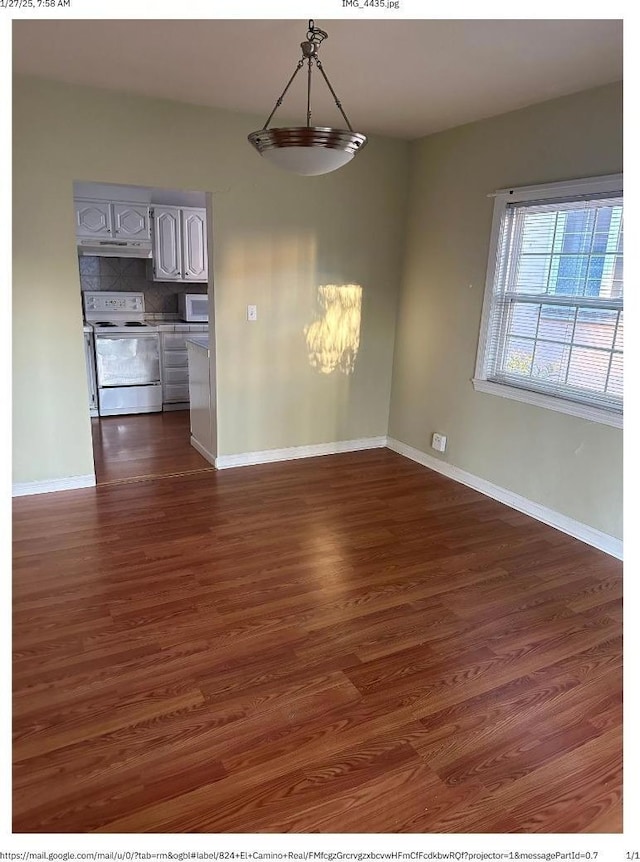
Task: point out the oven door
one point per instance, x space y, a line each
124 359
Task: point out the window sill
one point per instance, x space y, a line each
583 411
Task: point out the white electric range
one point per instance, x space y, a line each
127 353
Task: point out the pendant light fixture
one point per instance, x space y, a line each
308 150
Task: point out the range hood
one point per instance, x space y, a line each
115 248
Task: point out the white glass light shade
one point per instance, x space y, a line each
308 151
307 161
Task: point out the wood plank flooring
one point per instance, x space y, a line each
349 643
144 445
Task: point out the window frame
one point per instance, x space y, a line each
611 183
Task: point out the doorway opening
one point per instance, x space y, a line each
144 265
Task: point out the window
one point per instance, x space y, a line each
552 326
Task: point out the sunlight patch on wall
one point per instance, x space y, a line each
333 338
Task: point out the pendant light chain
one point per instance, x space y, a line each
283 94
335 98
309 94
315 37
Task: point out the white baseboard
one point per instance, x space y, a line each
603 541
23 489
204 452
246 459
597 539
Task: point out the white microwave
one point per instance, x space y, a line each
194 307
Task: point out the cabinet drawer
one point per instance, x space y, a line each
175 359
175 392
174 340
176 375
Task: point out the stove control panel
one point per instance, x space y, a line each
106 301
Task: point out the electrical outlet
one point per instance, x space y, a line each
252 312
439 442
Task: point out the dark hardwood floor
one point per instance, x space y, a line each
349 643
144 445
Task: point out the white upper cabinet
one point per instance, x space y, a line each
131 221
179 244
194 244
167 245
99 219
94 219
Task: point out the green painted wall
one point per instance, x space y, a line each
277 237
567 464
409 224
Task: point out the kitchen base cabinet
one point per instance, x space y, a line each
175 372
202 413
91 372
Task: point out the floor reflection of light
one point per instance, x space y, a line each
328 561
333 338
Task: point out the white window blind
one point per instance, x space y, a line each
555 315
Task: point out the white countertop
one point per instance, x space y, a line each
199 341
179 326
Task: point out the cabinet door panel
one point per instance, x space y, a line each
167 248
194 244
93 219
176 375
131 221
175 393
175 358
174 341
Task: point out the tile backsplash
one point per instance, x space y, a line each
130 274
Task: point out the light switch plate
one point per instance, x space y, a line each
252 312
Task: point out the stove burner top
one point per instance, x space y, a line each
106 323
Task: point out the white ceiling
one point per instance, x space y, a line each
404 78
